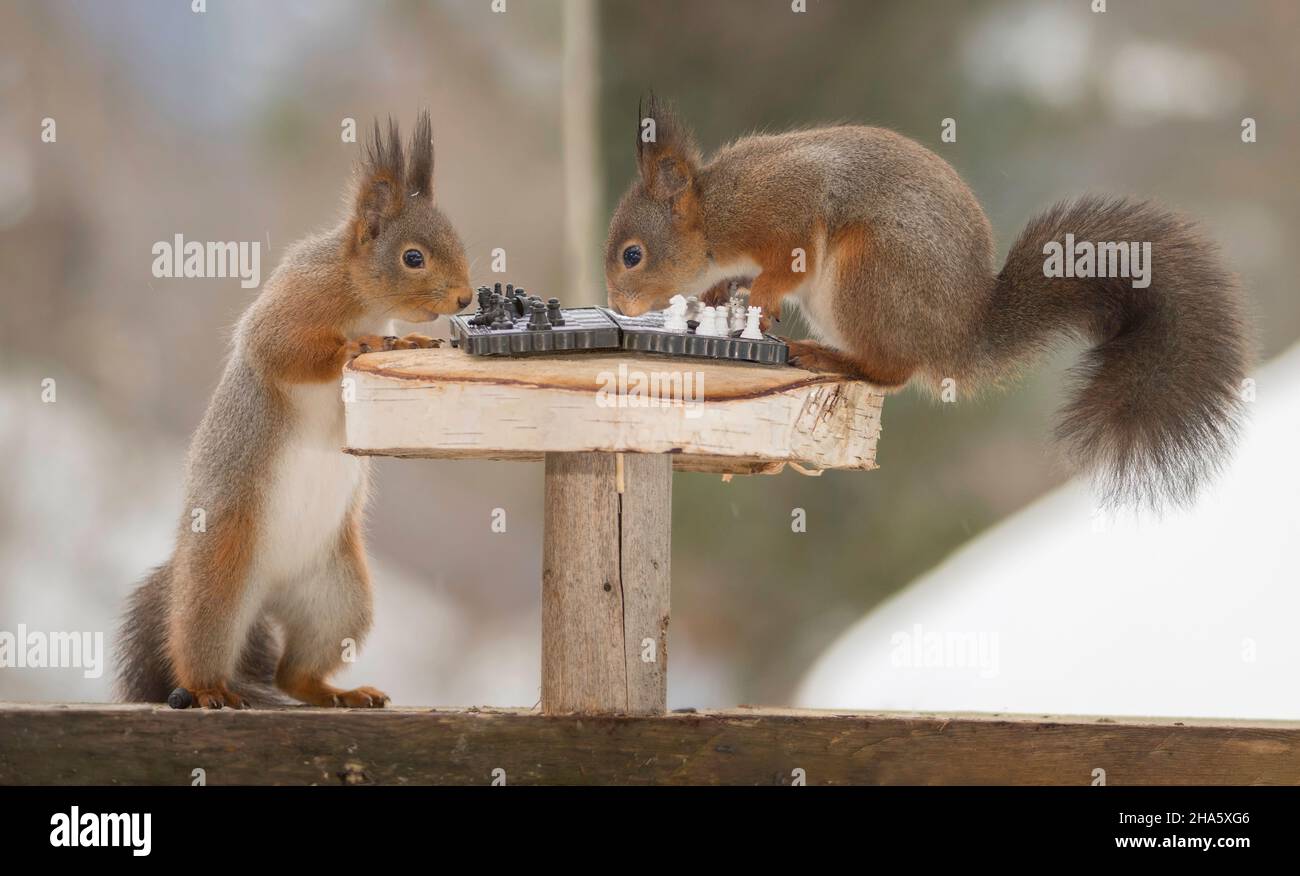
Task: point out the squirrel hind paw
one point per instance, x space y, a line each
218 697
357 698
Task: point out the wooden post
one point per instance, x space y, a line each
606 552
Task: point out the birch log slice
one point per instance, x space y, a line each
714 416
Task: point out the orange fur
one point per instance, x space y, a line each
851 250
213 572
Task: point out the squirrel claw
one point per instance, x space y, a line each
375 344
368 344
809 357
416 341
217 698
360 698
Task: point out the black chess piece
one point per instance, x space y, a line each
553 311
518 300
537 320
692 325
486 307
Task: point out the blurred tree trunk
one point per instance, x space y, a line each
582 231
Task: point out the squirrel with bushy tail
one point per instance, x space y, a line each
889 258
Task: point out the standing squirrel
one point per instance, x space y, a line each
280 503
899 283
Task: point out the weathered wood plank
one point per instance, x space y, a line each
98 745
583 665
645 557
605 583
728 417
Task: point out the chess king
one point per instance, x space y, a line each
888 255
271 532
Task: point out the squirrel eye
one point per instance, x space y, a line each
632 256
413 258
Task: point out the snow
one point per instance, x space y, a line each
1062 610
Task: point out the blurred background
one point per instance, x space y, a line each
225 125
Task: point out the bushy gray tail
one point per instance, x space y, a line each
145 673
1158 399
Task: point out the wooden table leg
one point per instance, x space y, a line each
605 583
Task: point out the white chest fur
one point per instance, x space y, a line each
816 297
313 486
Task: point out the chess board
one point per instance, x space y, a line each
646 334
511 323
585 328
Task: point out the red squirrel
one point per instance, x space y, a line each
899 284
272 534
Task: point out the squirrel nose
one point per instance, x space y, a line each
463 300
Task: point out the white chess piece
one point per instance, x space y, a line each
708 322
675 315
721 322
694 309
735 316
752 331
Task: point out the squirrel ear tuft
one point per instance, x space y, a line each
419 178
667 155
380 195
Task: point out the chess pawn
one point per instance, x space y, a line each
721 323
553 311
538 320
708 322
752 331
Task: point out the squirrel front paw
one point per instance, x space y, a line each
368 344
416 341
377 343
